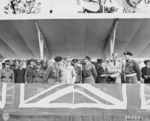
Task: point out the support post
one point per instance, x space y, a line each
41 42
110 40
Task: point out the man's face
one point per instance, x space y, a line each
126 57
115 56
32 63
103 64
21 64
85 61
7 65
148 63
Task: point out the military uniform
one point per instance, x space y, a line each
38 75
89 73
51 74
67 74
6 76
114 69
132 72
29 74
101 75
78 74
146 72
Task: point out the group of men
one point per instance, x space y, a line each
67 71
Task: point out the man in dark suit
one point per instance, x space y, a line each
20 73
146 71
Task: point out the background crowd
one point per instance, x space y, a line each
71 71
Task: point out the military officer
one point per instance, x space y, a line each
89 71
146 71
77 70
7 74
29 73
38 72
101 71
67 72
51 75
132 69
114 68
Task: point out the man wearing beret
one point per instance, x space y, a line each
51 74
132 69
114 68
146 71
89 71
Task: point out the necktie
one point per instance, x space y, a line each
114 62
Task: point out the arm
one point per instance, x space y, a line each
94 72
73 76
47 73
13 76
0 76
137 70
25 76
142 72
80 75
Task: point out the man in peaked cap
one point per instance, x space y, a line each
132 69
146 71
101 71
51 75
89 71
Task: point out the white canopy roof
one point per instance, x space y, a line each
73 37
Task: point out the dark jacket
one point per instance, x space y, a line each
100 72
146 72
19 75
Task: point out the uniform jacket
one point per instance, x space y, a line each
78 74
89 72
145 71
38 73
133 67
101 71
52 72
6 76
29 74
67 74
115 69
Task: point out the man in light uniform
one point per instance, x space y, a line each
114 68
67 72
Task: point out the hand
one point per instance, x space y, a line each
112 76
104 75
146 76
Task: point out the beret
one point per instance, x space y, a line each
99 60
7 62
87 57
128 53
58 58
75 60
146 61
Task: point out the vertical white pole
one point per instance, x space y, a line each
112 42
41 42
